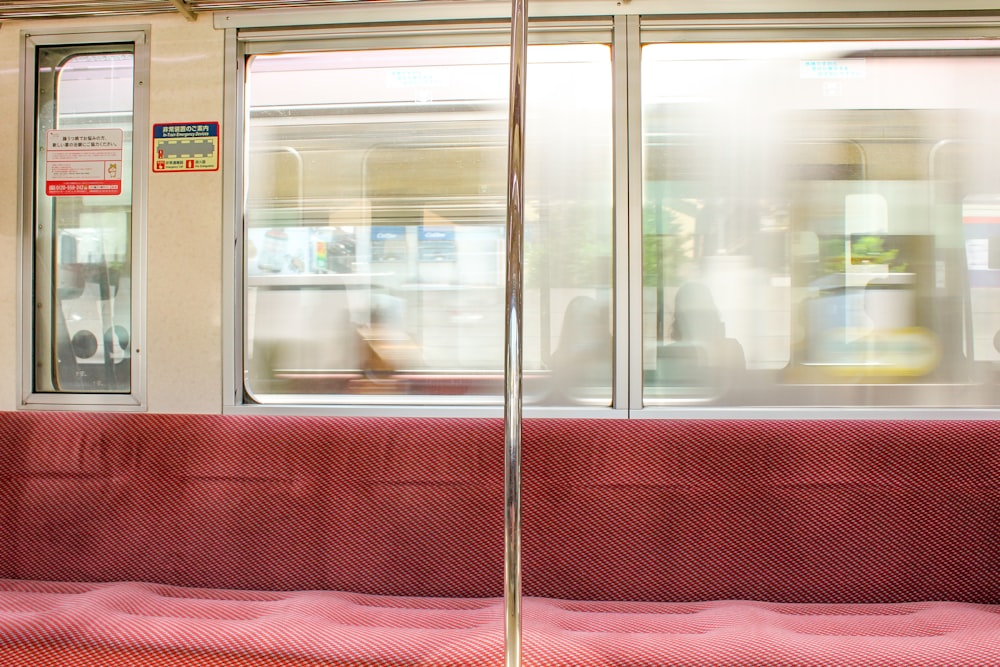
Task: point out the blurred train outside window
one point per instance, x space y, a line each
83 222
762 222
373 239
821 223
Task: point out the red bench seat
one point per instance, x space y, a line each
146 624
209 541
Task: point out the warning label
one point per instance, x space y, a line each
179 147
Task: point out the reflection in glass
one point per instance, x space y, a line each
700 353
375 210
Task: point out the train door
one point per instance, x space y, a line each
83 230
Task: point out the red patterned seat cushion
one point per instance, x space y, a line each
143 624
808 511
656 510
860 542
384 506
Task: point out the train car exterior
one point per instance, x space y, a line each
728 212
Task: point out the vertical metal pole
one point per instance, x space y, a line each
513 365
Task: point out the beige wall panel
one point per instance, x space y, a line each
9 359
184 217
184 230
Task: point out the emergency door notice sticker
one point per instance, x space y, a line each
180 147
83 162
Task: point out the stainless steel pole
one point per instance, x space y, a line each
513 366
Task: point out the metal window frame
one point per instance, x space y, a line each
628 209
633 23
848 12
241 43
135 399
836 27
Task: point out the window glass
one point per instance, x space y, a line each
374 237
82 322
820 222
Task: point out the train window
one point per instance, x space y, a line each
81 204
375 193
820 223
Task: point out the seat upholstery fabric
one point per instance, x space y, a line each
209 541
145 624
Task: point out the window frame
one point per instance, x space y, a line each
243 44
660 30
634 24
135 398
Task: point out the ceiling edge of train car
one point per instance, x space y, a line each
11 10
